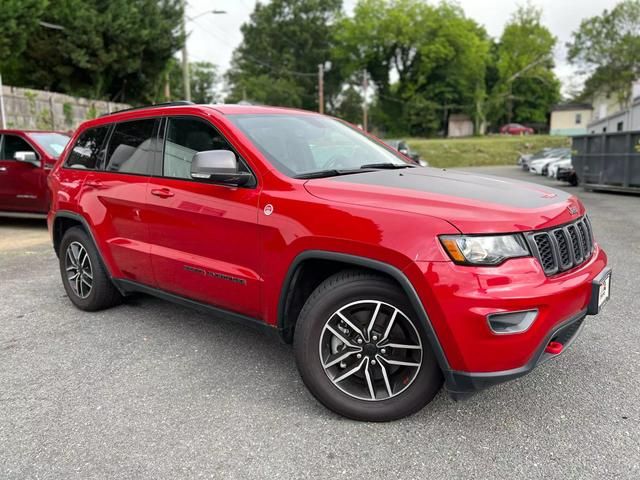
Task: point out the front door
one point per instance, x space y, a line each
205 243
22 184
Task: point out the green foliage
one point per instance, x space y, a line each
18 20
477 151
350 105
31 100
284 41
44 120
607 47
203 76
116 50
92 112
525 86
439 55
67 111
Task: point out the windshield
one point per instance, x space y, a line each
52 143
304 144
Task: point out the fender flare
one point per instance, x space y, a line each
79 218
379 266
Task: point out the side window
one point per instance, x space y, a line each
132 147
185 137
13 144
88 151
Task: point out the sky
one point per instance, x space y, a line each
213 38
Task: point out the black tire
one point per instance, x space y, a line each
102 293
345 288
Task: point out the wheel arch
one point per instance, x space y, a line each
63 221
288 308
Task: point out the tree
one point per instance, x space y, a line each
283 43
19 19
526 87
350 105
607 47
203 76
438 55
116 50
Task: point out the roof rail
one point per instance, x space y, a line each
155 105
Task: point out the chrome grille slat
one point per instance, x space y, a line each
562 248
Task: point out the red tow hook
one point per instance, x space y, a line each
554 348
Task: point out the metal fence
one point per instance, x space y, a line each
608 161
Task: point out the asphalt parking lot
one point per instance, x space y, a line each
153 390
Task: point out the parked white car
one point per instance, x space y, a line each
553 168
541 166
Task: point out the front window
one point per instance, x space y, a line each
13 144
299 145
52 143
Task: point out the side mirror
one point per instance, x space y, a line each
219 166
27 157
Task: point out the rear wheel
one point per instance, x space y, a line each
361 350
83 276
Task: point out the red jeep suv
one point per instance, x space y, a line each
388 278
26 158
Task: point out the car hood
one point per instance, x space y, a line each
471 202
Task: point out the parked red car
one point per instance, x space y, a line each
26 158
516 129
388 278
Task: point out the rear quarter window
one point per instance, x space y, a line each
88 151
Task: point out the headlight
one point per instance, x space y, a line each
490 250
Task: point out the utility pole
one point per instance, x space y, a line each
365 110
185 57
321 88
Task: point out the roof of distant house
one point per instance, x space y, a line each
571 106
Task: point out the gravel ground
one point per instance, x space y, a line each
153 390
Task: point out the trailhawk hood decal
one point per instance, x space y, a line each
473 203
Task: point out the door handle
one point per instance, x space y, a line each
3 169
162 192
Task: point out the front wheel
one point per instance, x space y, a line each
361 350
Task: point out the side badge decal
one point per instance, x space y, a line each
268 209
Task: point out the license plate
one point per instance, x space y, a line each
600 292
604 291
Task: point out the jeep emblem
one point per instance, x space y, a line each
572 210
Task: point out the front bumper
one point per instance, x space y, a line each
461 385
458 300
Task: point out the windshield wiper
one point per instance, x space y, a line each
390 166
326 173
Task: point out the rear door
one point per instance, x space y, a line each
204 237
22 185
113 198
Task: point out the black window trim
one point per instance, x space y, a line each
164 128
26 140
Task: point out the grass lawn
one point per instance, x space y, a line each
489 150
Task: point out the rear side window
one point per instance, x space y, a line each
13 144
185 138
88 151
132 147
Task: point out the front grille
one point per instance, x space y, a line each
563 248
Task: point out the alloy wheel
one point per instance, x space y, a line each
78 268
370 350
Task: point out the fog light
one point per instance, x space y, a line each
511 322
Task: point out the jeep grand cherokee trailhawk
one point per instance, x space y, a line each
388 278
